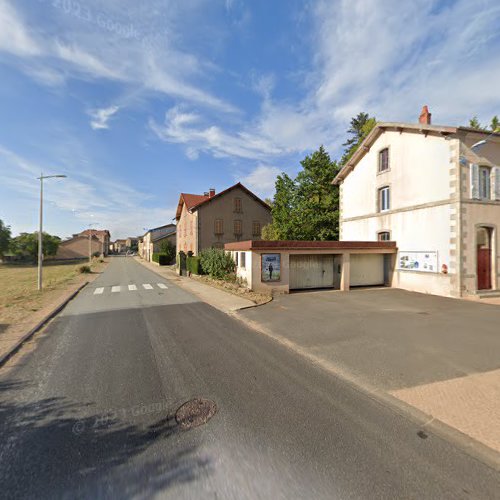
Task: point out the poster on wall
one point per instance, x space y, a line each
425 262
271 267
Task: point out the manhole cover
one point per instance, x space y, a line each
195 412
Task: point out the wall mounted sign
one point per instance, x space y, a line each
270 267
425 262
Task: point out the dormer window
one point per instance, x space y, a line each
383 160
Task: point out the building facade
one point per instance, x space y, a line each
211 220
435 191
149 243
103 235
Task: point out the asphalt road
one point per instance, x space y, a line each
89 412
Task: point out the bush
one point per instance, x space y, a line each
168 249
161 258
193 264
217 263
84 269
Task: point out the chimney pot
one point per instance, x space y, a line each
211 193
425 116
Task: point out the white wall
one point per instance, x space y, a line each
419 177
418 173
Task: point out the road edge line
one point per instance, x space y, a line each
17 346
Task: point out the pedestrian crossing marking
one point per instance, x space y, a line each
131 288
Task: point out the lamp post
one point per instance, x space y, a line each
40 228
90 241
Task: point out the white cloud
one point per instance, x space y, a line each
14 36
100 117
186 128
81 198
262 180
98 49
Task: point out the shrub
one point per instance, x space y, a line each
161 258
84 269
168 249
216 262
193 264
96 254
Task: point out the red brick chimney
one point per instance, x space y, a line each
425 116
211 192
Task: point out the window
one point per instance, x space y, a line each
383 160
238 229
191 227
256 229
236 258
484 183
219 226
237 205
243 259
384 201
384 236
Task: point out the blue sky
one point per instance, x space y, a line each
138 101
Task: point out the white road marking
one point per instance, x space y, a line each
132 287
115 289
162 285
98 291
147 286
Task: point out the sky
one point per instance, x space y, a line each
138 101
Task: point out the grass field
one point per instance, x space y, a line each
19 296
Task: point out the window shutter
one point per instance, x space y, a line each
496 183
474 181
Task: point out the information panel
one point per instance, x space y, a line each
425 262
271 267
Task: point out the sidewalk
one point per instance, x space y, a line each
441 356
224 301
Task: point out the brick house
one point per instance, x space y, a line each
211 220
102 235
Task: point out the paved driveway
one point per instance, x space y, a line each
440 355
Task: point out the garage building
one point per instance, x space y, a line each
284 266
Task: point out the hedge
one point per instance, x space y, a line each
161 258
193 265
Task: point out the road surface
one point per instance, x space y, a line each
89 412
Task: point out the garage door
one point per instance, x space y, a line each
311 271
367 270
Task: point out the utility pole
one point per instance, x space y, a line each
40 227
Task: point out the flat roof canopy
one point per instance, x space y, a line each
261 245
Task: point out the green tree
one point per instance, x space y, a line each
474 123
26 245
5 238
495 124
168 249
306 208
269 232
360 126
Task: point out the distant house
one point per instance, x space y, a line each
77 247
131 243
211 220
102 235
150 242
120 246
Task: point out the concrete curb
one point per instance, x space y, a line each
5 357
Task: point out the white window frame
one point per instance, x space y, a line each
384 199
484 183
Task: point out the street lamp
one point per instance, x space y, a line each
40 229
90 240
